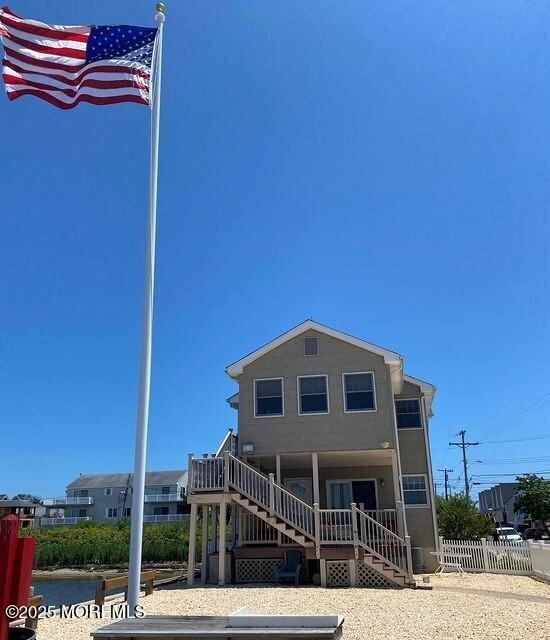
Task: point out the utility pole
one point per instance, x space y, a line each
446 472
464 445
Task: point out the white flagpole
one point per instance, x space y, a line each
136 534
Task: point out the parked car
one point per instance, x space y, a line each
536 533
507 534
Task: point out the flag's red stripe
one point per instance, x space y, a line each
73 82
41 31
39 63
94 84
40 48
13 95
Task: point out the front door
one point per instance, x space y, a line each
364 494
301 487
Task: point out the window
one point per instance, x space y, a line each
414 491
408 414
311 346
127 512
313 394
359 392
80 493
161 511
268 397
165 491
111 512
108 491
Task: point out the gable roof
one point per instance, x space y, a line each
102 480
390 357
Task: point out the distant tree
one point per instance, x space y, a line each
27 496
459 519
534 497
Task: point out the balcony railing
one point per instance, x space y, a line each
163 497
48 522
60 502
170 517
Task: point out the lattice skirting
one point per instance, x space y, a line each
256 570
338 575
367 577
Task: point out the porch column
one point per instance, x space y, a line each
213 526
278 480
315 476
192 544
323 567
204 550
222 543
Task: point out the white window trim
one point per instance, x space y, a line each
107 512
311 355
108 491
273 415
299 395
426 489
349 481
410 428
352 373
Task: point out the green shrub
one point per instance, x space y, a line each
108 544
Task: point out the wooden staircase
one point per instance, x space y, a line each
275 521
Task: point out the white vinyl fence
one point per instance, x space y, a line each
491 557
540 556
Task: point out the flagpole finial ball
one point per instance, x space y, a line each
160 7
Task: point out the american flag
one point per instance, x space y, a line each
66 65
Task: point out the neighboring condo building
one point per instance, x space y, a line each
108 497
498 503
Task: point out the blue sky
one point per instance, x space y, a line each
381 167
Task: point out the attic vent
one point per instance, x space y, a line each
311 347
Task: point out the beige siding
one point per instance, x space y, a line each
336 431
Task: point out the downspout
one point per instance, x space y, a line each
396 436
430 473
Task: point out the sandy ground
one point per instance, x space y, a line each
492 607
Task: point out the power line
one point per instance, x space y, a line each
517 440
523 412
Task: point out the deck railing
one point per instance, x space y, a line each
48 522
167 517
66 500
380 541
336 526
206 474
163 497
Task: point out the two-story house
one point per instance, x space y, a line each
332 457
108 497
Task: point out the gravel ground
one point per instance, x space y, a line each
492 607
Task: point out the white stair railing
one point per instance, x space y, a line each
380 541
265 492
